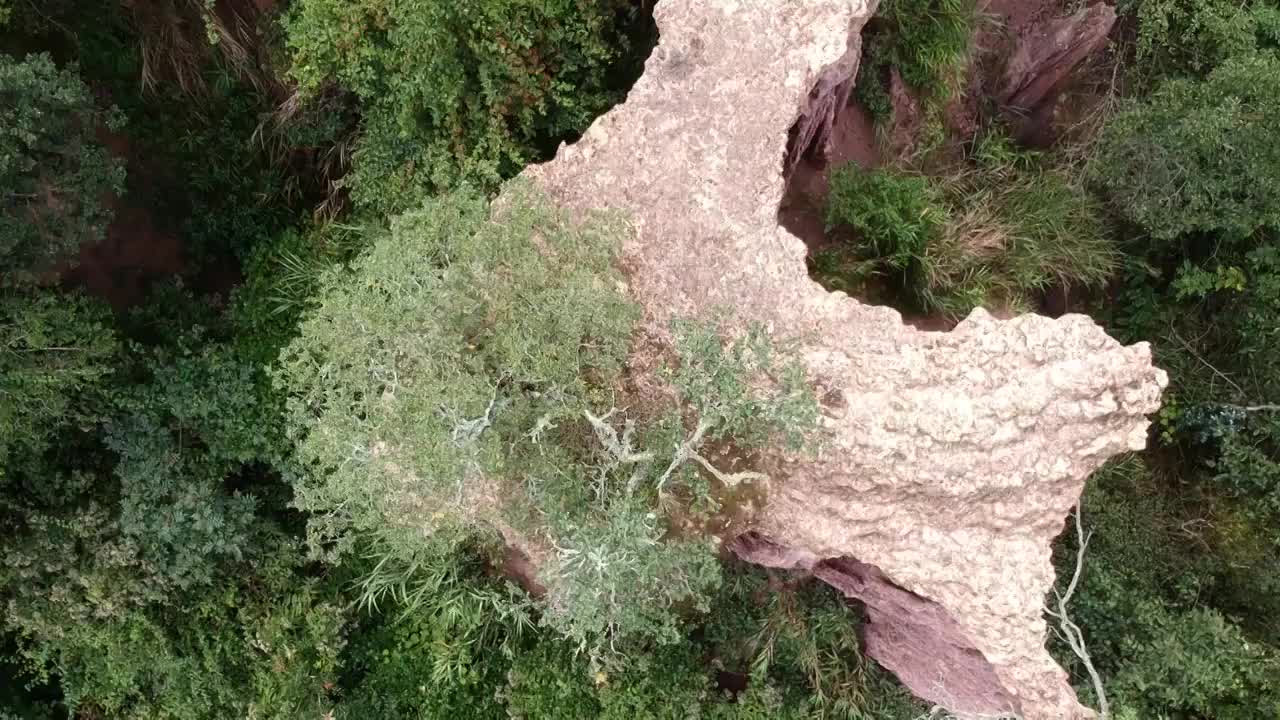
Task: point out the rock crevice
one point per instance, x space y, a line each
950 459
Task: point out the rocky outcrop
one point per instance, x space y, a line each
951 458
1041 62
1042 59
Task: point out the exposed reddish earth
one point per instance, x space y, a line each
136 249
1025 55
852 139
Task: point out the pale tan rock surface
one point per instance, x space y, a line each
953 458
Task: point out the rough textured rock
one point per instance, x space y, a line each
952 458
1044 57
829 95
915 638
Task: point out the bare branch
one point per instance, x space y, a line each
1069 631
729 479
618 447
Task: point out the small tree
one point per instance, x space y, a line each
466 380
54 175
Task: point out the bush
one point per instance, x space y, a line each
56 355
502 412
895 215
440 639
1154 573
1181 37
456 92
512 336
264 647
1199 155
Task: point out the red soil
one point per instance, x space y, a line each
136 248
853 139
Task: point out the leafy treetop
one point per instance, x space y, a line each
53 172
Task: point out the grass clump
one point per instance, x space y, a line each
997 231
927 41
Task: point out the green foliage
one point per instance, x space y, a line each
454 92
395 407
1198 156
1192 282
614 581
548 682
443 640
998 230
1199 663
266 647
115 528
796 641
714 379
926 41
56 353
895 215
1178 37
53 172
486 414
281 280
1155 568
1018 229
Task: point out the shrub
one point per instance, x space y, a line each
456 92
56 354
795 641
613 582
1198 156
895 215
996 231
440 639
502 412
511 337
264 646
1147 601
1179 37
1198 663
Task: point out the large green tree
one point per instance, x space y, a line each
457 91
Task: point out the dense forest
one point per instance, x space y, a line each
219 223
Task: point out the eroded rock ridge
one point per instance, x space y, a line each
952 458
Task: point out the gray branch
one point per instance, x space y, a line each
1069 631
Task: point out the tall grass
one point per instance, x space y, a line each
1002 229
926 40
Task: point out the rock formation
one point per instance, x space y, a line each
951 458
1042 59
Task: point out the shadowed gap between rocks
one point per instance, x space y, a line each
1024 59
911 636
